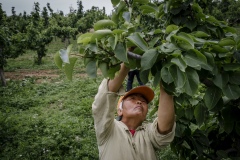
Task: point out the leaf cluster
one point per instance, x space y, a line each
195 56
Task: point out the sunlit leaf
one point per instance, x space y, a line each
100 34
68 67
138 41
115 2
103 24
85 38
180 63
200 34
58 61
171 28
227 42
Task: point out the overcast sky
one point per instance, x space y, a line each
63 5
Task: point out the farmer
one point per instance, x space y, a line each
130 138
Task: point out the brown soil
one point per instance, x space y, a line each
39 75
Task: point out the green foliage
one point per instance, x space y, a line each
47 121
195 56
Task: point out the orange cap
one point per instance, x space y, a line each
146 91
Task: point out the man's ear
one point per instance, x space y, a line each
119 112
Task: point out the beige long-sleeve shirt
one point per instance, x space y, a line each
115 142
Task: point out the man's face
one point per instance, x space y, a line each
135 105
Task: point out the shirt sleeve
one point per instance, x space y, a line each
159 140
103 108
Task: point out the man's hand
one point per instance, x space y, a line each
115 84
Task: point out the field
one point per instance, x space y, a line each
45 116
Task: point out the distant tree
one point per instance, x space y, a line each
12 39
39 32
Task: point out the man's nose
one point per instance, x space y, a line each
139 102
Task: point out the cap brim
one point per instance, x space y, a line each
146 91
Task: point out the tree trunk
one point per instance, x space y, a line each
2 76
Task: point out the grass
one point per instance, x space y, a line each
50 119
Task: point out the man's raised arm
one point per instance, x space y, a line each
166 113
115 84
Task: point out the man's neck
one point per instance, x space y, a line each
132 123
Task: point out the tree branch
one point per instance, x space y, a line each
134 55
112 54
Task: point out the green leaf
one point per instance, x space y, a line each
112 71
195 59
141 1
68 67
227 42
168 47
148 59
115 2
103 24
212 96
191 24
231 91
179 77
231 67
221 80
157 79
189 113
138 41
234 78
149 8
166 77
219 49
180 63
85 38
113 41
121 52
199 113
144 76
91 69
104 69
100 34
58 61
182 42
171 28
192 81
120 8
200 34
227 114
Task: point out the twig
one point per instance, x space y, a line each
127 3
112 54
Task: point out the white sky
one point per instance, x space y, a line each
63 5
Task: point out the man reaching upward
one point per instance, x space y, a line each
129 138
